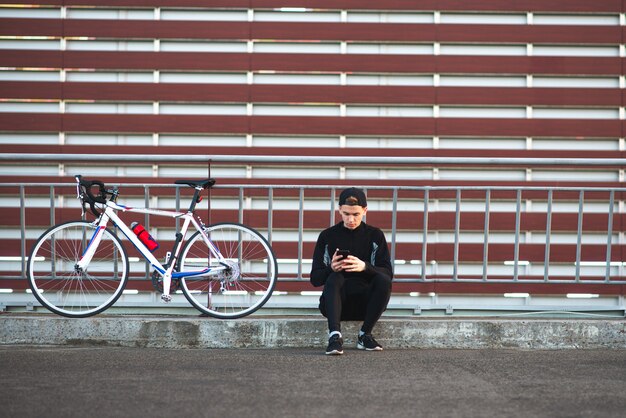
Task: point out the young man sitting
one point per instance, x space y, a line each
351 260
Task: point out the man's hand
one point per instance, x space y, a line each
349 264
336 263
352 264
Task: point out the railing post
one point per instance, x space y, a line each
177 188
425 234
52 206
486 234
270 218
609 236
365 215
23 231
270 213
546 257
240 213
300 231
457 227
579 235
146 200
240 220
394 216
52 223
518 210
332 206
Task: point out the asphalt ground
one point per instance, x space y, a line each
139 382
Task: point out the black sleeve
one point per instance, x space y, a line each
382 262
319 269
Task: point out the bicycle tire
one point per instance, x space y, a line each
57 285
251 281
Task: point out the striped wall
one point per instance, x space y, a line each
430 78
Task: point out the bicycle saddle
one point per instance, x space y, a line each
205 184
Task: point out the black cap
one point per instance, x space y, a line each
353 197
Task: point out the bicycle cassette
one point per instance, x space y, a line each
232 273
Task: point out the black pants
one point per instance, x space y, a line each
354 298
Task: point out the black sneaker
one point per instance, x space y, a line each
335 345
367 342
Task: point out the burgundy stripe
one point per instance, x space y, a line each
353 63
403 95
370 32
290 125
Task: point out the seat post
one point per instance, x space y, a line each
194 201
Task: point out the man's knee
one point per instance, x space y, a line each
334 281
382 282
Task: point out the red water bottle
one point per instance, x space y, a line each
144 236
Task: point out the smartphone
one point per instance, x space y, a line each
343 253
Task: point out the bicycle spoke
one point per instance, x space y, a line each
60 287
242 288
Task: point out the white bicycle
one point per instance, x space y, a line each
80 268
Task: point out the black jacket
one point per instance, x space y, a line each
366 242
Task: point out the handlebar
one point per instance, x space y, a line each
86 196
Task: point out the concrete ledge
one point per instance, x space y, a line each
276 332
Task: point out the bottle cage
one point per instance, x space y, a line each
87 197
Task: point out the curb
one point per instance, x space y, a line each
270 332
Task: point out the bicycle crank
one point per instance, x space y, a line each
157 282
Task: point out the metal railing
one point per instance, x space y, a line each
613 271
332 160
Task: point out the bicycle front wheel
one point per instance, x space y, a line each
240 289
64 289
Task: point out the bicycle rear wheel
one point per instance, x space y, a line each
239 290
55 281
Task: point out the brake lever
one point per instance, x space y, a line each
95 211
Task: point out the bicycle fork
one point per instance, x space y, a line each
94 242
90 251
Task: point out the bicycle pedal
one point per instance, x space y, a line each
166 298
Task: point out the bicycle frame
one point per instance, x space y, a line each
168 273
